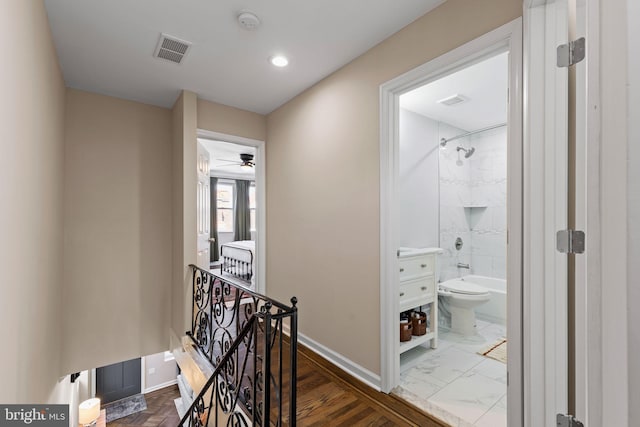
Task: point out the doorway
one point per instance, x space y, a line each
237 175
452 192
456 146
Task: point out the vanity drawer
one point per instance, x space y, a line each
415 292
416 266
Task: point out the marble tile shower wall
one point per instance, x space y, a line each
455 192
473 203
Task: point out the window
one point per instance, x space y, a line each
225 195
224 198
252 206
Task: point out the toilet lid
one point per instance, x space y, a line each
463 287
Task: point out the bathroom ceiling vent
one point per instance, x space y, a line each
453 100
171 48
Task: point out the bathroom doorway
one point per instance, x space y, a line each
452 193
451 185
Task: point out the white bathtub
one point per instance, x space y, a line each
495 310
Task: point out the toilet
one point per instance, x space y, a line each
462 298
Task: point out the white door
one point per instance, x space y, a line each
203 208
579 384
546 211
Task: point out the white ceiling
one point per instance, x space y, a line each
223 153
484 85
106 46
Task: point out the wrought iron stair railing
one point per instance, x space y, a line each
240 332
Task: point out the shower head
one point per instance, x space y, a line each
467 152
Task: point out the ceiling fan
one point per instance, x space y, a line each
246 161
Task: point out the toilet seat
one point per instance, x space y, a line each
462 287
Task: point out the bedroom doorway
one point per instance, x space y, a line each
236 201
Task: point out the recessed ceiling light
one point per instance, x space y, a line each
279 61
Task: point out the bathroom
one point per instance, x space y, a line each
452 205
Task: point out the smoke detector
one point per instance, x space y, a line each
248 20
453 100
171 48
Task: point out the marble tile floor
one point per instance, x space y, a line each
456 384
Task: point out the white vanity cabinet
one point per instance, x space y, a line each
417 289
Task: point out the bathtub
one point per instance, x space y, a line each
495 310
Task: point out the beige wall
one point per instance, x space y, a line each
158 371
31 176
232 121
323 181
614 221
117 212
184 182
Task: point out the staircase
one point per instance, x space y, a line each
234 370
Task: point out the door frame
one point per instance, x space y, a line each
261 186
507 37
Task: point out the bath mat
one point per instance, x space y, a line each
124 407
497 350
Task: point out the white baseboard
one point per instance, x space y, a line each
366 376
159 386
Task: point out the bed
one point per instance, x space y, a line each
238 260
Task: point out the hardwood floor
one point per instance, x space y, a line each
327 396
161 411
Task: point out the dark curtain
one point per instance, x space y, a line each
242 223
215 255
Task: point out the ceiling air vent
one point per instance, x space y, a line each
171 48
453 100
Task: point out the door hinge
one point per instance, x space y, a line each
570 241
563 420
571 53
